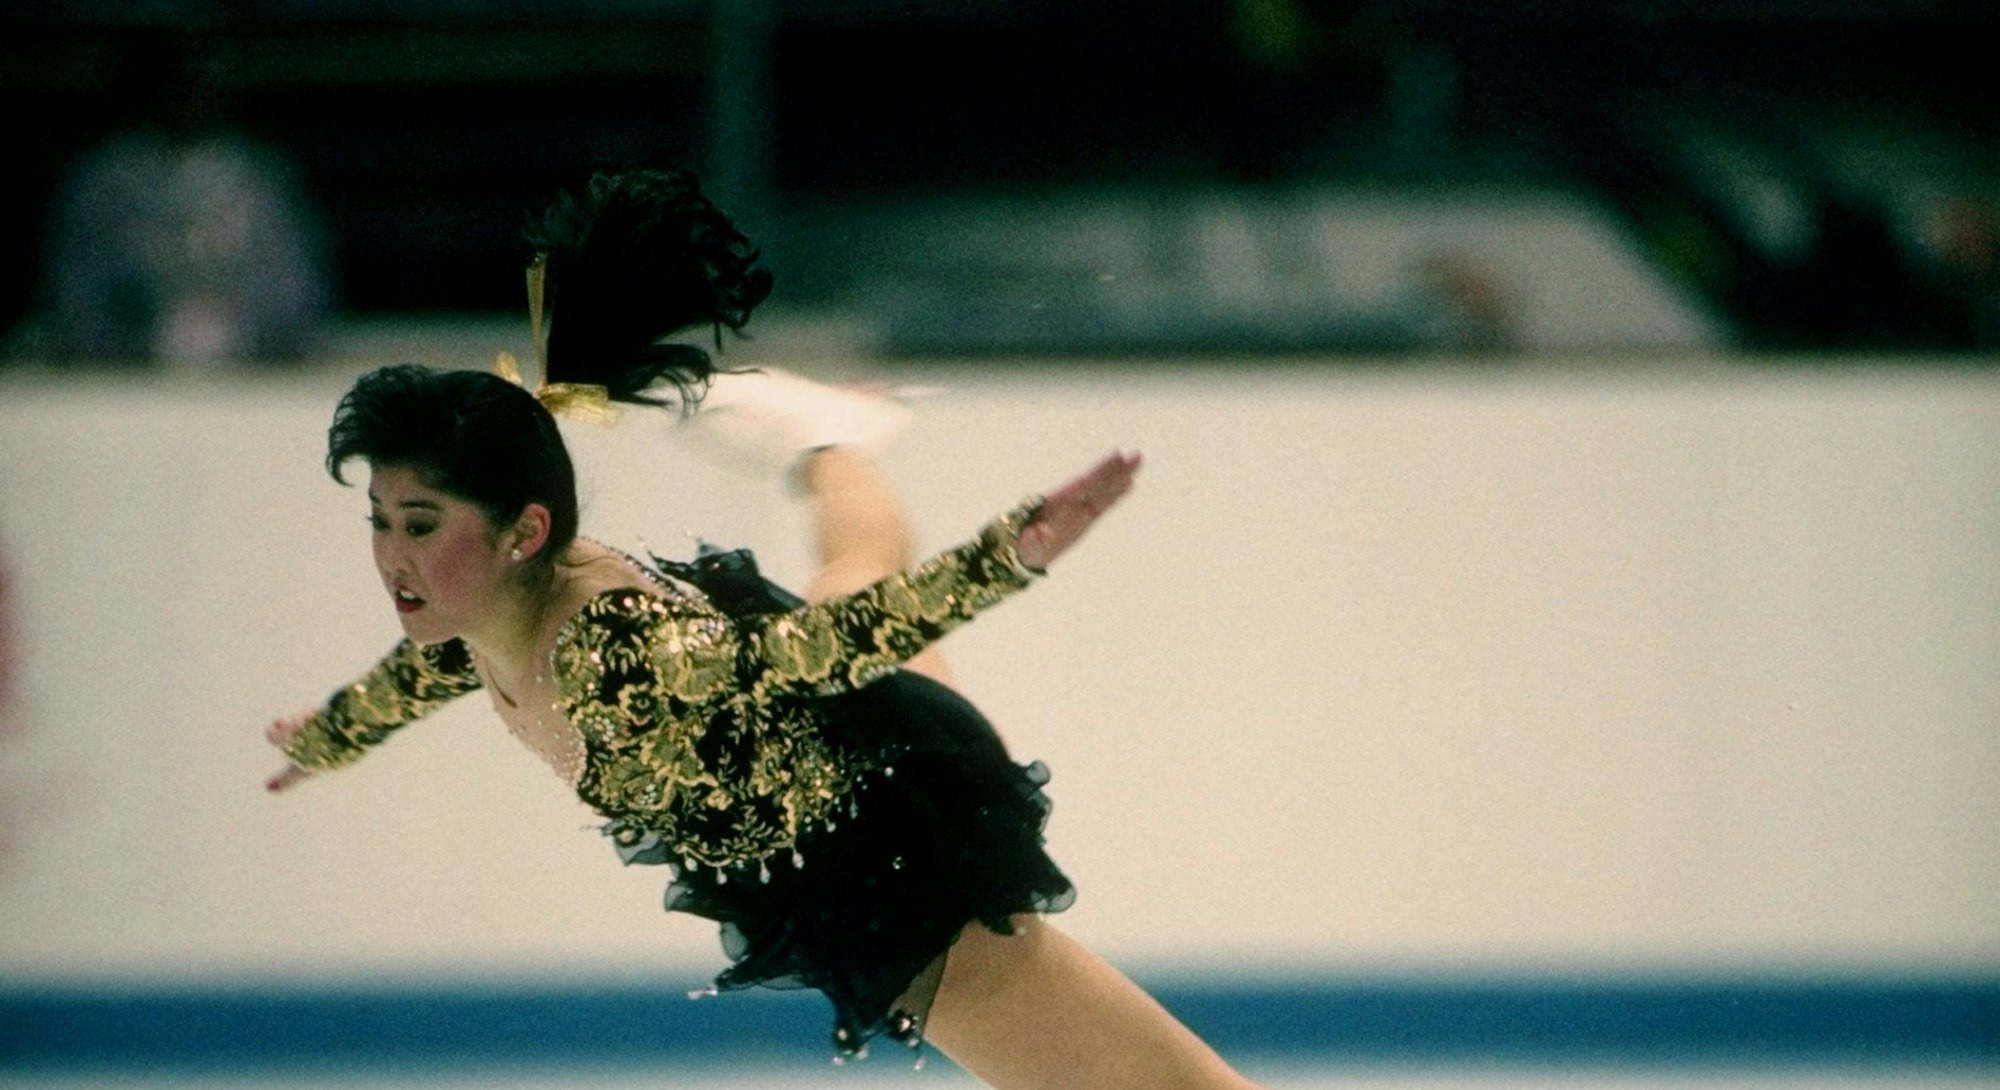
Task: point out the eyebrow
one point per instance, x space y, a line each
424 504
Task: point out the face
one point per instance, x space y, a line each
440 559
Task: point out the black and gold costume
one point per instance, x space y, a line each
841 819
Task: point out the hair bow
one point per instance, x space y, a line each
583 401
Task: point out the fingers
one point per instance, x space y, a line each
1098 488
286 779
1112 478
1116 471
1127 460
1070 510
278 733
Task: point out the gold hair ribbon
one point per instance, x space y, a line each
582 401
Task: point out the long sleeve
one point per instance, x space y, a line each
410 682
849 641
703 726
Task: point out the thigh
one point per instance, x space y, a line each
1036 1009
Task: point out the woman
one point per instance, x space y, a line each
818 789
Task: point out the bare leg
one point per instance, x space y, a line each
1037 1010
1034 1009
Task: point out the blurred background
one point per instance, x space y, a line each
1245 176
1554 644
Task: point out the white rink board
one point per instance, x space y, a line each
1660 664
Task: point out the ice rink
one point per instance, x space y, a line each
1567 674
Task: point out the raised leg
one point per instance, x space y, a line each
1037 1010
861 531
1034 1009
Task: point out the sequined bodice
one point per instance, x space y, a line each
532 709
696 725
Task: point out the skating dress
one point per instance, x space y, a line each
841 819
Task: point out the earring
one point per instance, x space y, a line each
515 555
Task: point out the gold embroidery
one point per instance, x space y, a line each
410 682
706 730
703 729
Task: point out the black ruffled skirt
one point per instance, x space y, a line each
944 833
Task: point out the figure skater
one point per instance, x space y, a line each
802 766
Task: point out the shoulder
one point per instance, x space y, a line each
637 617
605 588
620 608
629 640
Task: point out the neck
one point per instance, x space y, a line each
511 631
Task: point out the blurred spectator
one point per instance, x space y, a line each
1848 282
179 239
1856 288
1462 302
1963 248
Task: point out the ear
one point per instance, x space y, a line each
530 531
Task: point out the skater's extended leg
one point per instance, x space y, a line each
1037 1010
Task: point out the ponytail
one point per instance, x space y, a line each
639 257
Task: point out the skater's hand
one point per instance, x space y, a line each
1070 510
277 734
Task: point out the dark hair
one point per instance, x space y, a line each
471 434
638 257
